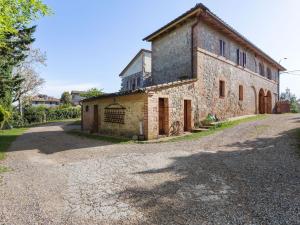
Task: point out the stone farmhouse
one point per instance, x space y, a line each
199 65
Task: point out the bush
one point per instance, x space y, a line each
42 114
35 114
17 120
294 105
63 113
4 116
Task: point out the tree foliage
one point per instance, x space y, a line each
93 92
288 96
27 71
4 116
12 54
66 98
15 14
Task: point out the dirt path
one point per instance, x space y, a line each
249 174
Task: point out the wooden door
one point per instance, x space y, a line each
96 119
187 115
162 116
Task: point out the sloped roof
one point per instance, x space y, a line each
132 61
141 90
44 98
200 8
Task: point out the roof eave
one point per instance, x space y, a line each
134 58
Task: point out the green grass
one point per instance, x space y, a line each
7 137
71 121
4 169
222 126
110 139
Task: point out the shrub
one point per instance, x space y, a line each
294 107
4 116
35 114
17 120
63 113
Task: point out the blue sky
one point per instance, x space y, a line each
89 42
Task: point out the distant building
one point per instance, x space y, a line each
76 97
44 100
137 73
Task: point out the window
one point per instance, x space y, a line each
269 73
241 93
133 83
138 82
238 57
241 58
129 85
222 48
222 88
86 108
244 59
261 69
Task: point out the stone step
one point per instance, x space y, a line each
197 130
207 126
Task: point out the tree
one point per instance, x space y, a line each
66 98
15 14
93 92
4 116
27 71
12 54
288 96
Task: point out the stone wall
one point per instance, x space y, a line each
204 94
171 56
207 38
211 69
134 115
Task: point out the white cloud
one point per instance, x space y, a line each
56 88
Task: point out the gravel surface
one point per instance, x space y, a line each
249 174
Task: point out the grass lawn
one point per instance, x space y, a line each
221 126
70 121
115 140
7 137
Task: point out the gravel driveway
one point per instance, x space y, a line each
249 174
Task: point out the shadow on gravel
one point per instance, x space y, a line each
49 142
259 184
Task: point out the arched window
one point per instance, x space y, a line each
269 73
261 69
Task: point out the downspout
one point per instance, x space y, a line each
278 91
193 69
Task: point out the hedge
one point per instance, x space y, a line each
41 114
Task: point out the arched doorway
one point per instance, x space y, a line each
261 103
269 102
253 99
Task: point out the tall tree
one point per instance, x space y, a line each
93 92
27 71
12 54
15 14
66 98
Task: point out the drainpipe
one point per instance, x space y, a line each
278 85
192 46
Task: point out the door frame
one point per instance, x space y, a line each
95 119
163 116
187 115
